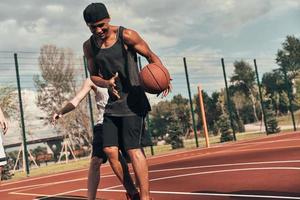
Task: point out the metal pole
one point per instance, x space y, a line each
203 115
191 102
288 88
89 95
147 117
261 97
22 115
228 100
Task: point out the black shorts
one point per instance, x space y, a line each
126 130
98 143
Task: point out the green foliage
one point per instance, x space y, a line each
9 102
170 120
243 80
212 111
289 56
175 132
273 83
243 76
272 123
225 128
39 150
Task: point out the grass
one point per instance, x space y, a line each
53 168
287 119
162 149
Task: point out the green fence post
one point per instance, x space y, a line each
261 97
228 100
191 102
22 115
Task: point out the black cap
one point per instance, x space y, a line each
95 12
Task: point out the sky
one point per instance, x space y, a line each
203 31
171 27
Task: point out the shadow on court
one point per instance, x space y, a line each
265 193
64 197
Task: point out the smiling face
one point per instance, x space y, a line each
100 28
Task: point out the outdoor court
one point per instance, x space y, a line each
265 168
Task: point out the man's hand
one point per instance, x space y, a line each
111 85
3 124
55 118
166 91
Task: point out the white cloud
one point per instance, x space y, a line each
55 8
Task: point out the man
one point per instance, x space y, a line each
111 54
98 156
4 127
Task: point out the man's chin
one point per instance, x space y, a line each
100 36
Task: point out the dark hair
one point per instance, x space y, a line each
95 12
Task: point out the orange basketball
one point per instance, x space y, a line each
154 78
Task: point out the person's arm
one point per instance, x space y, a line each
71 105
132 38
3 122
94 74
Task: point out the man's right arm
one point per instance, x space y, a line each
94 73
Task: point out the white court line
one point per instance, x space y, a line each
266 142
230 151
214 172
42 177
45 196
227 170
24 188
28 187
46 184
225 165
58 194
161 156
211 194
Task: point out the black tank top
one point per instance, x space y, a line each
110 61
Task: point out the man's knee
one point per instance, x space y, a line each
135 154
111 151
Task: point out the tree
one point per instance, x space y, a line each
158 116
243 79
9 102
211 110
272 123
170 120
226 131
54 88
289 56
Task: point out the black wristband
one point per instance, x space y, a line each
67 108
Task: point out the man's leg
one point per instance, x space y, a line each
132 133
140 167
93 177
120 168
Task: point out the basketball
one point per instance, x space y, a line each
154 78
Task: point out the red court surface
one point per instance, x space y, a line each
265 168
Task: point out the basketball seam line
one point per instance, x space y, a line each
154 78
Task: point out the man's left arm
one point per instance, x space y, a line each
132 38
